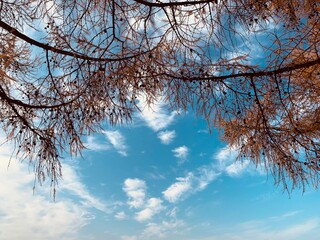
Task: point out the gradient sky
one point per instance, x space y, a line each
162 177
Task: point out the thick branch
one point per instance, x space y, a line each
4 96
170 4
47 47
251 74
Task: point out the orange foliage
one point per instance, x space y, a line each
89 61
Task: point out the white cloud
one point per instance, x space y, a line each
154 115
226 154
203 131
163 229
263 229
136 191
166 137
94 145
153 206
205 175
294 229
181 153
298 230
72 183
117 140
228 163
175 191
172 212
237 168
129 237
191 183
28 216
153 231
155 176
285 216
120 215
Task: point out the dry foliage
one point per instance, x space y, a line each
68 66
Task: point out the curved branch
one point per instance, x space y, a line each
170 4
47 47
251 74
4 96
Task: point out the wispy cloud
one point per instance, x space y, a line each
136 191
265 229
28 216
124 237
163 229
120 215
226 154
155 176
72 184
166 137
237 168
203 131
176 191
228 163
181 153
289 229
285 216
94 145
191 183
152 207
155 115
299 230
117 140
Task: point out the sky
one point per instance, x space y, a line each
164 176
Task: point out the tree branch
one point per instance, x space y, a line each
262 73
170 4
47 47
4 96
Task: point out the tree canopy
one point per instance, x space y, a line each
250 68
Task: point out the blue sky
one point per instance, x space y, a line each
162 177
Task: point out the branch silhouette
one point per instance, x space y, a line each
250 68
